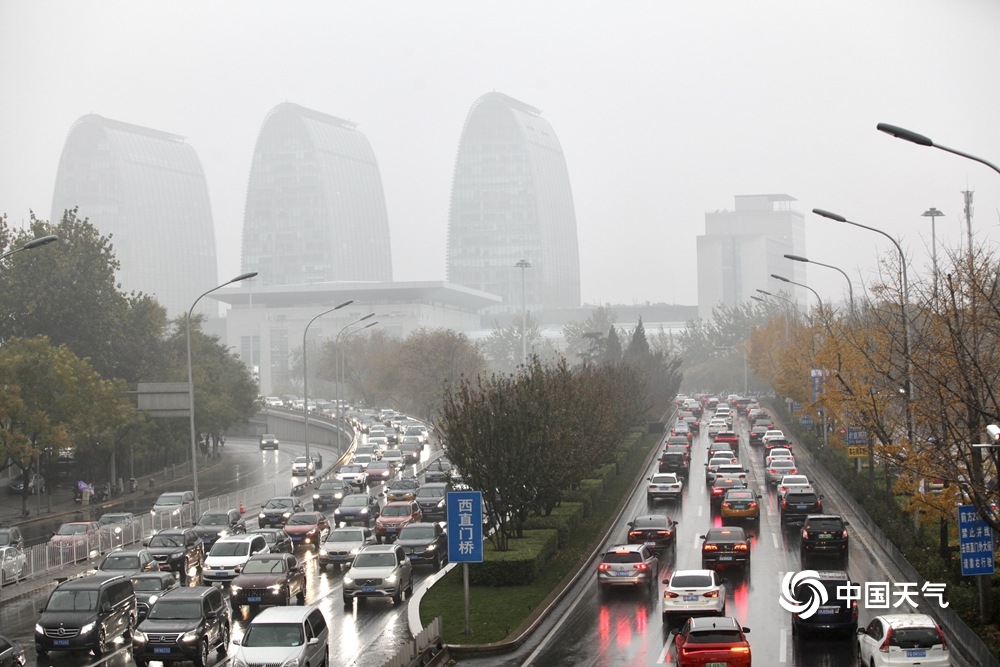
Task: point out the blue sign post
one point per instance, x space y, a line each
465 537
975 538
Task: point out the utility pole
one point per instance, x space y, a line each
967 210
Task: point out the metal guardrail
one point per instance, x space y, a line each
421 649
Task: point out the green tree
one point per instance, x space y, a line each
582 337
613 347
431 360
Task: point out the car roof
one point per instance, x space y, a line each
699 623
909 620
86 583
196 592
651 520
237 538
683 573
379 548
728 532
282 614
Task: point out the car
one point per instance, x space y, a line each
799 504
680 427
269 579
302 466
432 500
665 485
12 537
276 511
411 451
792 481
36 484
357 508
86 613
379 472
825 535
363 460
424 543
284 636
394 517
903 639
776 443
379 570
269 441
173 504
394 457
330 493
693 593
728 437
353 474
722 449
416 444
214 524
277 540
128 563
77 540
120 528
11 653
731 470
379 442
719 487
13 565
404 488
178 550
148 587
229 555
772 434
716 426
778 453
680 440
713 465
343 544
438 471
778 468
369 450
317 459
756 436
656 531
727 546
712 641
631 565
307 528
740 504
184 624
675 459
692 422
837 615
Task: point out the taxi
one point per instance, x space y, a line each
740 504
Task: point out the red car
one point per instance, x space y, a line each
379 472
728 437
394 517
307 528
712 640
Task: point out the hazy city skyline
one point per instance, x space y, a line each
665 111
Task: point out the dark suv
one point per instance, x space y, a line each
838 615
184 624
86 614
275 512
799 504
178 550
214 524
677 460
824 535
431 498
269 579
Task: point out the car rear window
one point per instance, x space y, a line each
691 581
825 524
914 637
801 498
622 557
715 636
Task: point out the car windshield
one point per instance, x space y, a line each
260 635
346 536
664 479
691 581
330 486
264 566
417 531
121 563
403 484
396 510
166 609
270 536
230 549
72 601
782 464
914 637
355 501
382 559
826 523
301 460
348 470
214 520
430 493
5 539
150 584
72 529
279 503
650 522
171 499
303 520
167 541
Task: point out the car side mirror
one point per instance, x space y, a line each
862 631
629 524
745 630
236 641
846 523
313 641
701 537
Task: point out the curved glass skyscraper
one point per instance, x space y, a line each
511 200
315 207
147 190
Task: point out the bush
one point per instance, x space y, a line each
580 497
520 564
606 473
564 518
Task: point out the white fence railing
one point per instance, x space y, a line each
419 650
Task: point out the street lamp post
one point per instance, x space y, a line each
850 288
523 264
934 214
792 282
906 319
31 245
305 385
337 371
921 140
194 443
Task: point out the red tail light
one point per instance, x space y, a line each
740 547
944 642
711 594
819 504
753 503
784 504
884 648
640 566
671 595
844 534
635 533
805 534
725 504
663 532
854 612
709 547
793 471
603 567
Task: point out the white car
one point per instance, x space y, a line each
394 457
903 639
717 426
693 592
664 485
302 466
362 460
13 565
778 453
284 636
778 469
714 463
789 481
379 570
353 475
772 434
228 556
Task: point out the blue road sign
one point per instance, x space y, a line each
465 526
807 421
975 539
856 437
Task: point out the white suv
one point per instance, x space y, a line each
284 636
379 570
229 555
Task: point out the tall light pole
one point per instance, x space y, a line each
792 282
921 140
934 214
31 245
337 369
906 319
194 443
850 288
524 264
305 385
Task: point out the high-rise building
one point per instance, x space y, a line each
741 249
315 208
511 201
146 189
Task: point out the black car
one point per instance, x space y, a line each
269 441
184 624
676 459
214 524
727 546
719 487
275 512
11 654
357 508
431 498
148 587
330 493
277 540
838 615
798 504
824 535
86 613
438 472
424 543
272 579
128 563
757 435
657 531
177 550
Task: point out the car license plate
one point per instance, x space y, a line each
622 573
255 598
725 557
368 589
161 649
826 611
690 598
649 544
825 537
916 654
390 530
801 507
716 664
60 642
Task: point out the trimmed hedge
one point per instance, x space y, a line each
564 518
520 564
580 497
606 473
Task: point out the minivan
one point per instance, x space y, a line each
284 636
88 613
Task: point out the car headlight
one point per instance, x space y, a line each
234 588
39 629
315 496
275 588
364 510
176 511
138 637
238 663
336 511
431 547
441 503
391 579
88 627
261 516
153 599
338 495
323 551
190 636
206 566
223 533
348 580
286 514
291 662
177 555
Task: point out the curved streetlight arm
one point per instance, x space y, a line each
337 370
850 288
31 245
194 443
921 140
792 282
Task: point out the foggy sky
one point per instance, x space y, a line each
665 110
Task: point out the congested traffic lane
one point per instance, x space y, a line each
627 628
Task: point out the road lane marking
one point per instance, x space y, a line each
782 646
774 538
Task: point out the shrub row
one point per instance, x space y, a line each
520 564
565 518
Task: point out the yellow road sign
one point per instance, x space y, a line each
857 452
